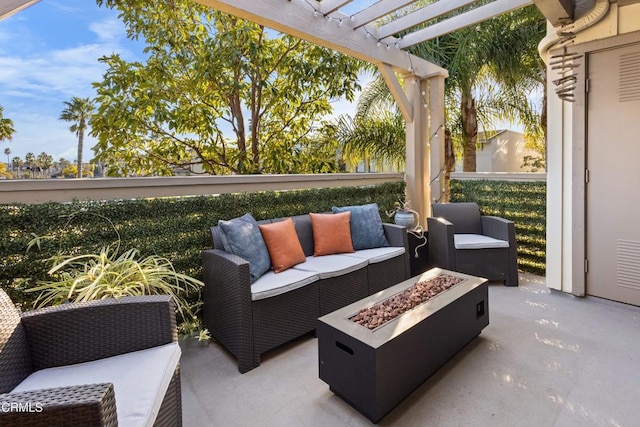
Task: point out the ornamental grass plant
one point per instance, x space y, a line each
111 274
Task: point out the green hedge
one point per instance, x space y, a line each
176 228
524 203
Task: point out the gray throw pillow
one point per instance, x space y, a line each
366 226
242 237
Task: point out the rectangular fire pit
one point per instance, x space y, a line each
375 369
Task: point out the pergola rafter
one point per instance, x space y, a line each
432 11
9 7
333 30
466 19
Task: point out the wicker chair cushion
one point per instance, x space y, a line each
366 226
331 233
283 244
271 284
477 241
140 380
332 265
242 237
376 255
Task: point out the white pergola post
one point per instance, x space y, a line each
436 139
417 158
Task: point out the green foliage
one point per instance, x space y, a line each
524 203
3 171
174 228
205 73
494 69
6 126
108 274
380 135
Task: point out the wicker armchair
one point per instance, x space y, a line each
461 239
74 333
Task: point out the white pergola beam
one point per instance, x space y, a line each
329 6
463 20
396 90
378 10
420 16
558 12
295 17
9 7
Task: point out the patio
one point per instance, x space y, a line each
546 359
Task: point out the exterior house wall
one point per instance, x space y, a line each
503 153
566 136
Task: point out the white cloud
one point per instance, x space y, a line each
36 78
108 30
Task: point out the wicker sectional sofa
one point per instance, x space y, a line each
249 319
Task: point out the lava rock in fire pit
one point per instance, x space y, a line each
387 310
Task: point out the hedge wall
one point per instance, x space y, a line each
176 228
522 202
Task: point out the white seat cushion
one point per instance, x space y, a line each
140 380
327 266
271 284
477 241
376 255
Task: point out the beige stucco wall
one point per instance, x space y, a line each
565 153
503 153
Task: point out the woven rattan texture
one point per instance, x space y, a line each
77 406
284 317
170 413
490 263
98 329
227 308
248 328
305 233
386 273
216 239
336 292
15 363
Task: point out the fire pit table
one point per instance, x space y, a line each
375 352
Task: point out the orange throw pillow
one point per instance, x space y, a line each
331 233
283 244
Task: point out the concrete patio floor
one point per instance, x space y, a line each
546 359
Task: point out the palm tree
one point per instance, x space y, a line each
7 152
6 127
16 164
78 111
44 162
493 69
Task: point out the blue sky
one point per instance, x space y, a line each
48 54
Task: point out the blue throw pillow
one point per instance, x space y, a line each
242 237
366 226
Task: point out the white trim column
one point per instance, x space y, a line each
417 158
436 139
